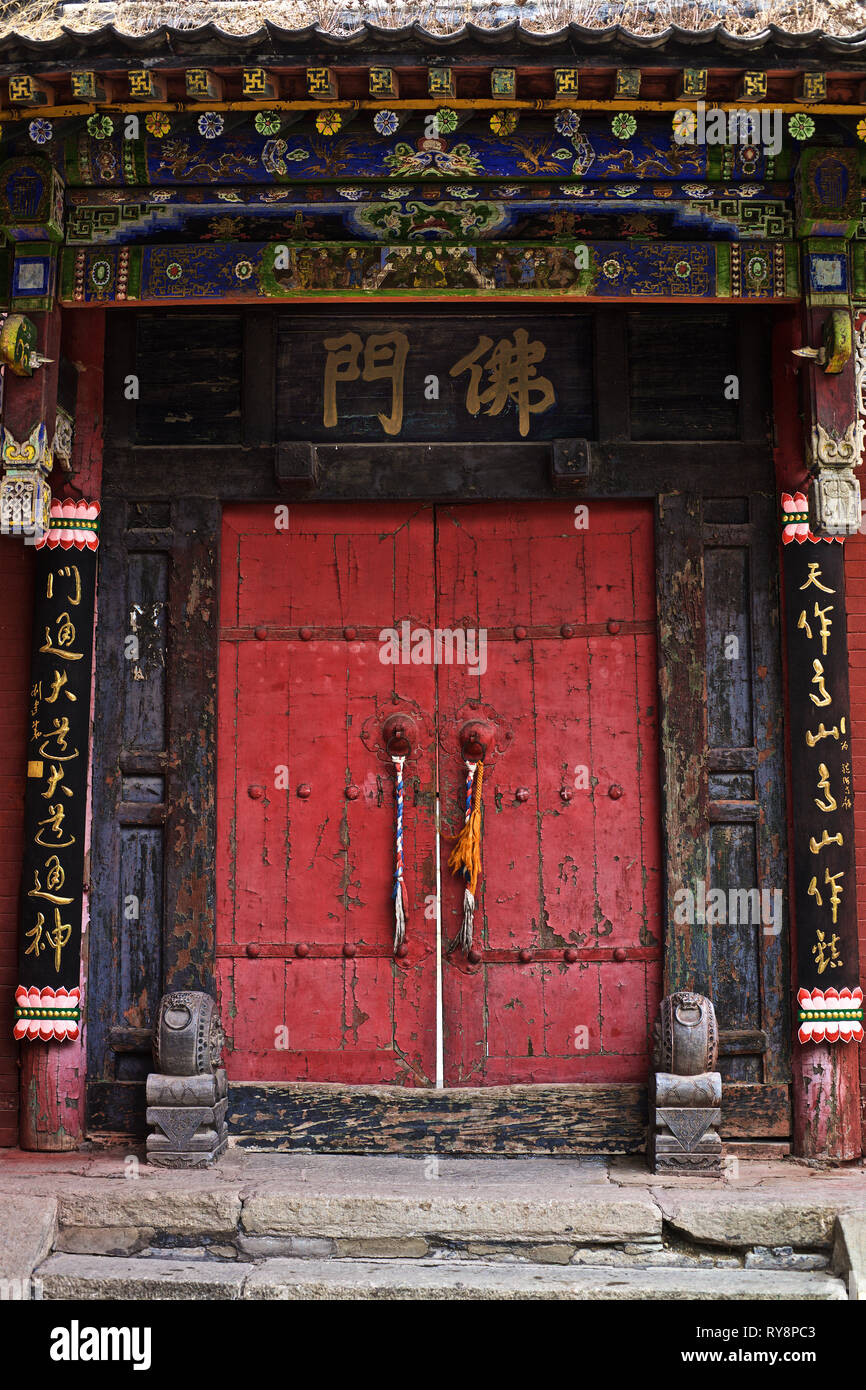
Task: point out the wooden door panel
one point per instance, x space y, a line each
569 867
309 983
724 788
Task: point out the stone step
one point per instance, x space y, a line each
341 1203
103 1277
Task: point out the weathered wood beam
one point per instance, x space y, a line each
681 619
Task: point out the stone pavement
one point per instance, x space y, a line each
297 1226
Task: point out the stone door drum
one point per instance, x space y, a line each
328 619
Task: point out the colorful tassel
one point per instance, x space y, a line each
401 897
465 857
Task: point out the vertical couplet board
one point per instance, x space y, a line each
571 844
821 770
309 985
56 795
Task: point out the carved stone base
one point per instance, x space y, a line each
684 1137
187 1096
169 1158
187 1136
699 1165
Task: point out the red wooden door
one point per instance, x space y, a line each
563 619
571 865
309 986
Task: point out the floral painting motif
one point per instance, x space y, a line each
446 120
157 124
801 126
329 122
100 127
41 132
504 122
210 125
386 122
566 122
684 126
623 125
268 122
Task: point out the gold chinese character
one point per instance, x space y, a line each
818 679
54 822
58 937
824 786
384 360
68 571
55 880
815 578
65 639
60 679
814 892
826 953
55 776
817 845
826 623
38 945
511 368
58 734
812 739
803 623
836 891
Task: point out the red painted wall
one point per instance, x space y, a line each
855 593
16 587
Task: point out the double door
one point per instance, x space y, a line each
536 621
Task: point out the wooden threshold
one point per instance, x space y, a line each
497 1120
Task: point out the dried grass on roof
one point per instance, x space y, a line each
44 19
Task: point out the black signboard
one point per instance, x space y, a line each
47 1002
822 791
506 377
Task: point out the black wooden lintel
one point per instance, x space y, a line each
395 472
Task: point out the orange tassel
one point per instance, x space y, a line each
465 857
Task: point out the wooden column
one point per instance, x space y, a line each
53 1074
824 1075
